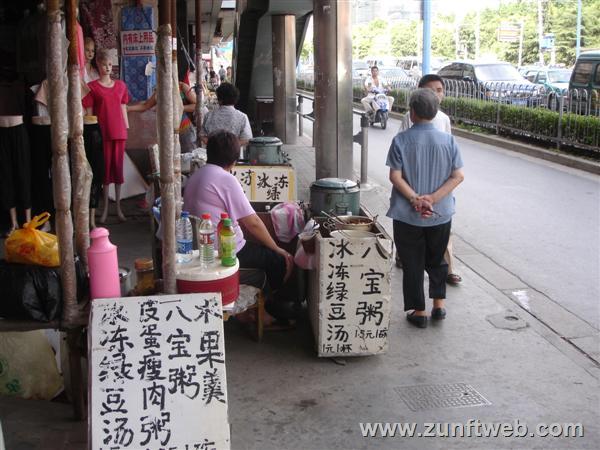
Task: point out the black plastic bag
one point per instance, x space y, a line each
35 292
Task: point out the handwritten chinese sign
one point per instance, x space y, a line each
267 183
350 294
137 43
158 373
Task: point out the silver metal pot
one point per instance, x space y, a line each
265 151
335 195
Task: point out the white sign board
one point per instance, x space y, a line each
267 183
157 372
350 295
138 43
508 32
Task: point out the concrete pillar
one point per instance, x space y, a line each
333 89
284 78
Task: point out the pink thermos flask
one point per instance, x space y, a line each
103 265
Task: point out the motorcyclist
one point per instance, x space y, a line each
374 85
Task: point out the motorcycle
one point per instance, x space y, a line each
380 116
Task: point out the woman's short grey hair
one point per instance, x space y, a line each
424 103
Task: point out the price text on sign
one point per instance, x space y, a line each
158 373
355 294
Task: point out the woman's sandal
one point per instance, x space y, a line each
453 279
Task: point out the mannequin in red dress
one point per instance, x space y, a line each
107 99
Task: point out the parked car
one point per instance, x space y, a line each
412 65
584 85
495 81
524 69
360 69
397 78
555 82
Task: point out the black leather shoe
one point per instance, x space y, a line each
417 321
438 313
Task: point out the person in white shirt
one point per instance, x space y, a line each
374 84
442 122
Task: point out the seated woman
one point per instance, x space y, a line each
213 189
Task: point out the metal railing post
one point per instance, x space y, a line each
561 106
498 117
364 149
300 118
313 126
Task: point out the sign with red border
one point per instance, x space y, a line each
138 43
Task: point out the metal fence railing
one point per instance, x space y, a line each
551 116
561 117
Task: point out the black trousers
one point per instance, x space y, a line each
255 256
94 151
41 170
422 249
15 168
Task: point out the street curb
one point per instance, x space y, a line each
530 150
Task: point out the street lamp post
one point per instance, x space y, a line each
578 38
426 66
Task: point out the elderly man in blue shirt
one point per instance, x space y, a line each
425 167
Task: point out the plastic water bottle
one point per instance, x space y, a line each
206 241
184 238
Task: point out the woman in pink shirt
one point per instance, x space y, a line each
213 189
107 99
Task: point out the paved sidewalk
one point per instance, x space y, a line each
281 396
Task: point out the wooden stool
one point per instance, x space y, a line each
259 306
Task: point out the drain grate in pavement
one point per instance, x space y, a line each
433 396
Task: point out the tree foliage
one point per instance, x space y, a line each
404 39
559 17
371 39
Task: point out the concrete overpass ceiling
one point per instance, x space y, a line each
295 7
218 18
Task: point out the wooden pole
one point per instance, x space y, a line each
199 74
82 172
164 100
177 112
61 178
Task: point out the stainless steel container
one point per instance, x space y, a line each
265 151
335 195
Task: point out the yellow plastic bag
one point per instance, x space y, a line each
30 246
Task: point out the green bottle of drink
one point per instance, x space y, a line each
227 243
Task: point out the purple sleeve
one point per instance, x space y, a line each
235 200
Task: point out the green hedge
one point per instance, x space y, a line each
539 123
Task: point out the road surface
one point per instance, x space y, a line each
536 219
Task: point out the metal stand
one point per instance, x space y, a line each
364 153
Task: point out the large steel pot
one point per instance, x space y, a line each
265 150
335 195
